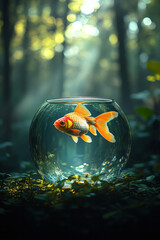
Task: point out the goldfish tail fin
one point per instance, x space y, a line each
101 125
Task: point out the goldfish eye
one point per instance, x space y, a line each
62 123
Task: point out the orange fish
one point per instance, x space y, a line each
78 123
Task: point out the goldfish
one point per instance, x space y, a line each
78 123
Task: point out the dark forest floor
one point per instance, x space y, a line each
130 203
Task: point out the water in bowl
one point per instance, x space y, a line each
57 156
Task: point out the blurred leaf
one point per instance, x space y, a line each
95 178
156 91
154 66
4 176
144 112
71 177
141 95
151 78
143 134
6 144
60 184
109 214
157 77
42 196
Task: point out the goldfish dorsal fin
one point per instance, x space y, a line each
82 110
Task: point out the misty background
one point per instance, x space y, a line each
64 48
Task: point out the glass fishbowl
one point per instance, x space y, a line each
79 136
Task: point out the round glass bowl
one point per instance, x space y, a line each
79 136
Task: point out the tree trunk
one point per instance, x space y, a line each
6 72
25 61
121 33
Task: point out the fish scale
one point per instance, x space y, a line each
79 122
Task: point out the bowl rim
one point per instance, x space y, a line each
80 100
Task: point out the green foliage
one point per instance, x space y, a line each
154 67
144 112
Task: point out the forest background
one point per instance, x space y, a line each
60 48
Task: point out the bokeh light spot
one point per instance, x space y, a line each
113 39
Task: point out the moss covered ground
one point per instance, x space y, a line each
131 202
